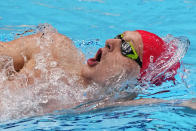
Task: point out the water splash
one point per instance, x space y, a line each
28 95
176 48
24 94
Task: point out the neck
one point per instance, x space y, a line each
84 82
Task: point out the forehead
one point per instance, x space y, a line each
132 36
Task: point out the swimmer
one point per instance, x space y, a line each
127 56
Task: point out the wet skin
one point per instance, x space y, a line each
112 68
111 64
108 68
106 71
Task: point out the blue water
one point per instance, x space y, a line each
98 20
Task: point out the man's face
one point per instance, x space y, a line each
109 66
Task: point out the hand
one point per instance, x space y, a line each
189 103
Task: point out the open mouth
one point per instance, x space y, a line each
98 55
94 61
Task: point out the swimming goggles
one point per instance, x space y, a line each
128 50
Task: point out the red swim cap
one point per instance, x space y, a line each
153 48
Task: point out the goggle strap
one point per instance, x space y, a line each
137 58
121 35
138 61
133 50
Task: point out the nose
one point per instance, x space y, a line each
113 43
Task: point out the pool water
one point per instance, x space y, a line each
89 23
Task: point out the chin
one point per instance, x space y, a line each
89 73
85 71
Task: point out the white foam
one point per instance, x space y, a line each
18 98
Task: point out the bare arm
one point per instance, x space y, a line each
189 103
23 49
20 49
146 101
7 50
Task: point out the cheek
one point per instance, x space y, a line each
112 65
110 68
133 70
124 64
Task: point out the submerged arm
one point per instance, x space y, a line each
147 101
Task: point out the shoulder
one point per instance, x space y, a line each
60 38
